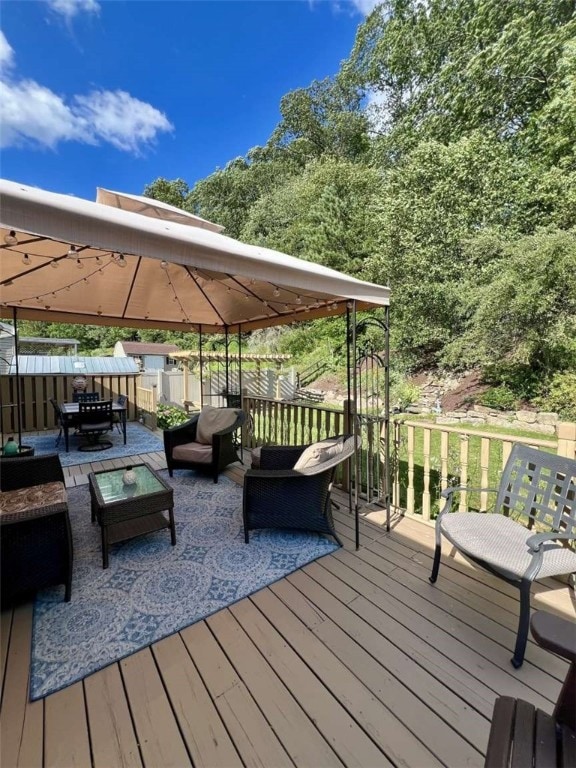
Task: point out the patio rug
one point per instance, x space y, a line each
139 439
152 589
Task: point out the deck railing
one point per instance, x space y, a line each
428 457
146 401
425 458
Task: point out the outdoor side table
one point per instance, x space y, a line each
126 511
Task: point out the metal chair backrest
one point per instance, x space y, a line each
122 400
96 415
85 397
540 487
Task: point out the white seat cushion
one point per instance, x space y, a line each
193 452
501 542
319 452
213 420
255 456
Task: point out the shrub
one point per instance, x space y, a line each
560 396
170 415
501 398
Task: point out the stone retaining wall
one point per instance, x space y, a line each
537 421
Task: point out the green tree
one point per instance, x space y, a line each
525 306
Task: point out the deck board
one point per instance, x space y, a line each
355 660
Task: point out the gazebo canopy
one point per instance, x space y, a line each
68 260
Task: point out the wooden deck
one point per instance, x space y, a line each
354 660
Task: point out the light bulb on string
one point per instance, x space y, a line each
79 264
163 264
121 261
10 238
298 299
54 264
26 259
276 292
72 253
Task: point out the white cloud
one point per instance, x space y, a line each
33 114
6 51
366 6
120 119
71 8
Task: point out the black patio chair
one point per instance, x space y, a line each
291 493
94 420
205 442
58 418
519 542
121 400
85 397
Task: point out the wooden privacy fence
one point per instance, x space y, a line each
36 391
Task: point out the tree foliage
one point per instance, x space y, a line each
440 160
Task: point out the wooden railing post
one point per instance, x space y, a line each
567 439
348 406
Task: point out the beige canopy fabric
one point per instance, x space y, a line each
147 206
64 259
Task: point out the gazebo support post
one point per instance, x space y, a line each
18 392
201 364
355 425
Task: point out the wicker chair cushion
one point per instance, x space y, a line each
501 542
196 453
317 453
31 502
213 420
255 457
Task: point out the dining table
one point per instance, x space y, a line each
70 413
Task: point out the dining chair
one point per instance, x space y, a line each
58 417
122 401
94 420
85 397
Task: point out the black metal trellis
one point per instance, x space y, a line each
368 365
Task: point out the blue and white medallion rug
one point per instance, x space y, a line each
139 439
152 589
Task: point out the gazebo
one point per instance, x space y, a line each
117 263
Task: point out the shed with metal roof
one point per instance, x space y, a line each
66 365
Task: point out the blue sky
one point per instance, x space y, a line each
115 94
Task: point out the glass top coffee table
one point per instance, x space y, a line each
126 511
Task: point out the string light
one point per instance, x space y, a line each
10 238
121 261
276 292
72 252
26 259
54 264
298 299
79 264
163 264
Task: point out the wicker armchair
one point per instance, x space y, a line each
36 539
522 735
522 540
279 496
185 451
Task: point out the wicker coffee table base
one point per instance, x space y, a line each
128 518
